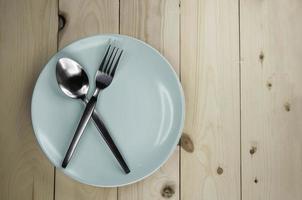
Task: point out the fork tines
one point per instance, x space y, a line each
111 60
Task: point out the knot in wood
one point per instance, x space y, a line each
287 107
219 170
261 57
253 150
167 191
186 143
62 21
269 85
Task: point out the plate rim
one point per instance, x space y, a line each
182 120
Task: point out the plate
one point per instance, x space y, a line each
143 109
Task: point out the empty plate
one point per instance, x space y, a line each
143 109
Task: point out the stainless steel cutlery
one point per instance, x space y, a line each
73 81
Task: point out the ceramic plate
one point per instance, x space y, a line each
143 109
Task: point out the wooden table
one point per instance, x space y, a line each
240 64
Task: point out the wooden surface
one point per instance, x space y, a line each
27 40
240 67
271 79
210 78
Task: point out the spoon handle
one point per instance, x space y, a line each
80 129
108 139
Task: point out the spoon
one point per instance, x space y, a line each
74 82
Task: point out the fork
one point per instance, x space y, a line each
104 77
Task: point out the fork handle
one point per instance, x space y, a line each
80 129
106 136
108 139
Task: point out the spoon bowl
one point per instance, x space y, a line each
72 78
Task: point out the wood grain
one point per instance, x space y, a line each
69 189
210 78
85 18
163 184
28 38
157 23
271 51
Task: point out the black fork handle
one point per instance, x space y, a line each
106 136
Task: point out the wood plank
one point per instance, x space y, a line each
85 18
271 49
157 23
28 35
210 157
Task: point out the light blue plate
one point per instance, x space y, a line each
143 110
